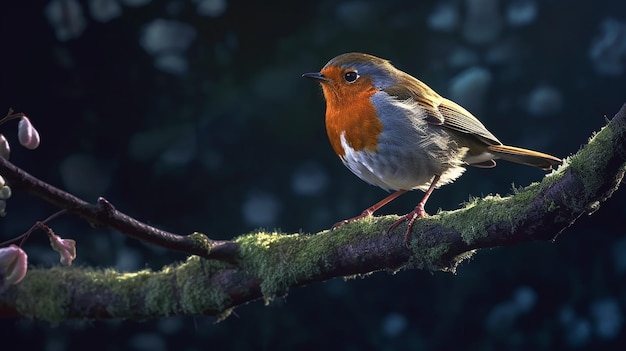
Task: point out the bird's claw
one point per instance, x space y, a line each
418 212
365 214
339 224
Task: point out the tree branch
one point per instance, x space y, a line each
271 263
104 214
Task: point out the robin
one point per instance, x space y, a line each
393 131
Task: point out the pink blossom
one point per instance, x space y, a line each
5 149
27 134
65 247
13 265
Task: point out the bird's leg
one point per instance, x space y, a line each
418 212
370 210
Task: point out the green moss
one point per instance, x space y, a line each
552 206
426 257
280 260
197 294
161 292
273 258
179 288
120 292
458 259
182 288
46 293
43 298
475 217
593 157
201 240
471 221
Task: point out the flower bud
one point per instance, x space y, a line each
27 134
13 265
65 247
5 192
5 149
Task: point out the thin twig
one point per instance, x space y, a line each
104 214
24 236
10 115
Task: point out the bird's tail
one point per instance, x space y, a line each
524 156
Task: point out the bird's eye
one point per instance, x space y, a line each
351 76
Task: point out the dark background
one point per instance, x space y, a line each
236 141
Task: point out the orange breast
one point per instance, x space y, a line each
350 111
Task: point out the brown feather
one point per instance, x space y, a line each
524 156
441 111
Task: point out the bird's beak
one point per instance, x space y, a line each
316 76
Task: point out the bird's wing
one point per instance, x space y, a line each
459 119
441 111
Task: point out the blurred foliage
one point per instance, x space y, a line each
187 152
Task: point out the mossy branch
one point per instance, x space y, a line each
268 264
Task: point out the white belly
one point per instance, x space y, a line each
398 170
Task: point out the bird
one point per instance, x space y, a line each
395 132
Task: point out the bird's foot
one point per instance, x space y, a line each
365 214
418 212
370 210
